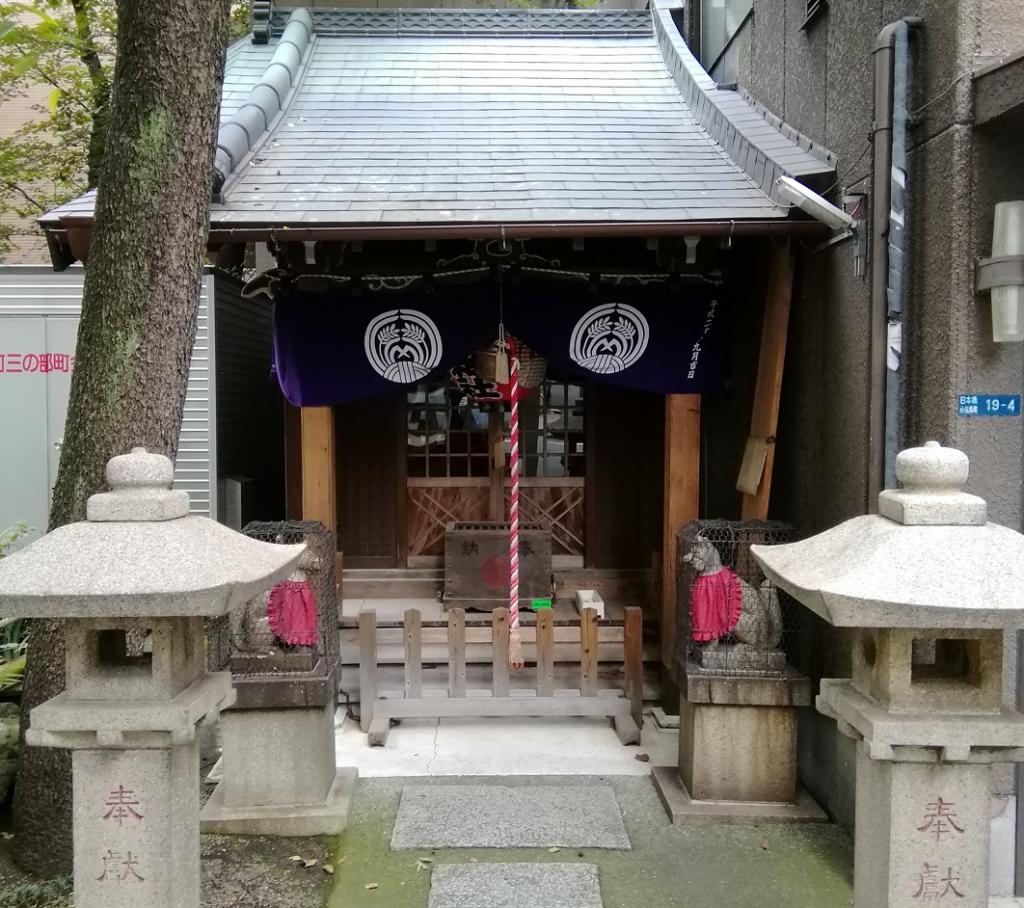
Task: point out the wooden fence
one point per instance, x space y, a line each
377 709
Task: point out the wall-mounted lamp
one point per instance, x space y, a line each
1003 273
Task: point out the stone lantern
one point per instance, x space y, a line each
931 588
135 581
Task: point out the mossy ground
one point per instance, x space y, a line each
770 866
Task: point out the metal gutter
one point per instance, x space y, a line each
70 240
881 385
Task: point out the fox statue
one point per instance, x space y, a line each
759 625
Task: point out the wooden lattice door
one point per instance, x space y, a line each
454 475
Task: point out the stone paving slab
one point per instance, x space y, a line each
515 886
506 816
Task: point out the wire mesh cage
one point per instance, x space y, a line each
293 628
730 620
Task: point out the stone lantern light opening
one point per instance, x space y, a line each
139 567
925 701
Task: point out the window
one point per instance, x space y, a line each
720 22
443 438
447 440
551 426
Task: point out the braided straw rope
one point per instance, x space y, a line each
515 644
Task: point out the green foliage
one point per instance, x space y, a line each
61 53
11 535
12 633
49 894
240 24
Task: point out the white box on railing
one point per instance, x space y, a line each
590 599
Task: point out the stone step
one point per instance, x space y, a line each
550 815
373 583
514 886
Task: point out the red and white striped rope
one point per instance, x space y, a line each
513 509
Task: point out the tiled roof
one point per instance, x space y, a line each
415 117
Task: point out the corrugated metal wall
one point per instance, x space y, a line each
29 291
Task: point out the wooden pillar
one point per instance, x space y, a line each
682 502
319 498
755 480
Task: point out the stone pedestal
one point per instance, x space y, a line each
737 749
136 824
936 843
278 772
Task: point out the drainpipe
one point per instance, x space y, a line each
888 242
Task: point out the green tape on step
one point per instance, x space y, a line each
540 603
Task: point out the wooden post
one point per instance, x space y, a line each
681 502
457 652
759 458
545 653
413 654
634 663
367 667
319 501
499 652
496 474
588 653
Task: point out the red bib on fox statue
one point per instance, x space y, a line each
715 604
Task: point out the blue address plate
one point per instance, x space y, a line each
988 405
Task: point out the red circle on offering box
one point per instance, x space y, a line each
494 571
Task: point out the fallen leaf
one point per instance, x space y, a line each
296 857
328 868
472 860
643 758
422 865
764 845
310 862
427 860
370 886
554 850
342 859
6 836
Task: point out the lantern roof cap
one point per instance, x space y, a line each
140 554
928 559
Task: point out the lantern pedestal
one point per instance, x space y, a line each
135 761
278 774
737 750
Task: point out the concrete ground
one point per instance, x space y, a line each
771 866
500 747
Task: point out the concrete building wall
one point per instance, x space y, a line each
820 80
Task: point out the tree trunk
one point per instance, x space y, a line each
100 82
138 321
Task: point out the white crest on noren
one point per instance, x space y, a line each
609 338
403 345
